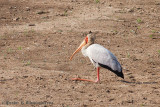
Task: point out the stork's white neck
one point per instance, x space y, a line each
84 51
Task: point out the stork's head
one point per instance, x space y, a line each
89 39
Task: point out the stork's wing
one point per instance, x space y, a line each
103 57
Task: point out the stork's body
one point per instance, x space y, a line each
99 56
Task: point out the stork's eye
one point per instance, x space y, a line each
86 39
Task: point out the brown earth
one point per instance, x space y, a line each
37 37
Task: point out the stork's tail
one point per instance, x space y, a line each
118 73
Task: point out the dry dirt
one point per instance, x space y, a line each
37 37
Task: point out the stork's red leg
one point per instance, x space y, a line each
98 74
89 80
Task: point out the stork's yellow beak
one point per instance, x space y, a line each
78 49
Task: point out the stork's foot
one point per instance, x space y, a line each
79 79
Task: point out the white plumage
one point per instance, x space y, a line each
99 56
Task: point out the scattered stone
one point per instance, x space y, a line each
84 105
16 19
42 12
12 7
31 24
130 91
157 3
25 76
27 9
3 18
130 101
107 91
131 10
131 76
46 17
134 58
145 98
73 0
111 99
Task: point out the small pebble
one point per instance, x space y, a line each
31 25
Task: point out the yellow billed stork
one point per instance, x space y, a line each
99 56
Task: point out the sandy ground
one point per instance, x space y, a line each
37 37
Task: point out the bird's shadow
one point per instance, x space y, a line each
137 82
